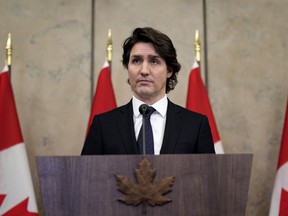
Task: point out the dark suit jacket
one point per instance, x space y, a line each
112 132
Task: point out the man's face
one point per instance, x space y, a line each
147 73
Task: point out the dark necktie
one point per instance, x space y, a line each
149 134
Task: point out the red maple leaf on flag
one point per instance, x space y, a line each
283 203
21 209
2 197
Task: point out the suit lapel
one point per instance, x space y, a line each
126 127
172 128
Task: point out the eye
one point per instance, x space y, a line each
154 61
135 60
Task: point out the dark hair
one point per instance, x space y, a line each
163 46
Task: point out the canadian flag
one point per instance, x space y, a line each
104 98
17 196
279 201
198 101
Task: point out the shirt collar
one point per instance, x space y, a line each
160 106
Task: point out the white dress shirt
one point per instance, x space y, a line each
158 120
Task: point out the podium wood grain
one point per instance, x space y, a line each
86 185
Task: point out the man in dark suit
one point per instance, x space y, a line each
151 61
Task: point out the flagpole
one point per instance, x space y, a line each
197 48
109 49
9 53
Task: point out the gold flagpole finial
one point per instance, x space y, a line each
109 47
197 46
9 51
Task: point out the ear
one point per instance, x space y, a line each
169 74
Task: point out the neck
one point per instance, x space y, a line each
150 100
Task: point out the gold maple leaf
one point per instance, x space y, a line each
145 191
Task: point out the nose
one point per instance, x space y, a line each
145 69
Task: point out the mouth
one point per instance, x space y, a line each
144 81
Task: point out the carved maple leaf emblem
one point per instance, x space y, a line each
145 191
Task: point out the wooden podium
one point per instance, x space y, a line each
204 184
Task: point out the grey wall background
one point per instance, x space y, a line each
247 69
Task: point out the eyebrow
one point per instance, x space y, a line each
150 56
